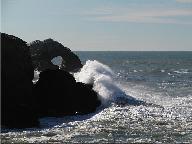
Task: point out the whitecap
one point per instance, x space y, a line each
162 71
102 78
182 71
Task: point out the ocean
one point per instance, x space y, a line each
146 98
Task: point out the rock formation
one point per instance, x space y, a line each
55 94
17 74
58 94
42 52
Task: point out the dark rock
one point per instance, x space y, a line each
55 94
86 98
58 94
19 116
42 52
17 74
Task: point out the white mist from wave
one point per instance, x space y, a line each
36 76
101 76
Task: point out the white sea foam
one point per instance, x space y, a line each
162 70
36 76
182 71
101 76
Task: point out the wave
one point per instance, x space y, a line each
181 71
102 78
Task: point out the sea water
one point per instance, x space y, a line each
146 97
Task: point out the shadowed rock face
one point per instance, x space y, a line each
42 52
17 74
57 94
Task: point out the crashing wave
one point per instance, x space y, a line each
102 78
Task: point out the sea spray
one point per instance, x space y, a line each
101 76
36 76
171 123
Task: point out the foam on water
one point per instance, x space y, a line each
171 122
182 71
101 76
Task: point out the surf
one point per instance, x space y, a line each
102 77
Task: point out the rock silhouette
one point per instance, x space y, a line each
17 74
42 52
57 94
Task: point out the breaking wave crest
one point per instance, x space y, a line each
102 78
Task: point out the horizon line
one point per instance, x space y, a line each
132 51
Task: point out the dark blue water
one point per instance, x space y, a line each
162 80
162 71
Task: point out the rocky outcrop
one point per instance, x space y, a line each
55 94
16 74
42 52
58 94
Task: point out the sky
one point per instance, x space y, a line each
102 25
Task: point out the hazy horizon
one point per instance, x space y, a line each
102 25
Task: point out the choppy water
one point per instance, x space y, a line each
146 97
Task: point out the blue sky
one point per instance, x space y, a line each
132 25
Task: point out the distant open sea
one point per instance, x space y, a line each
146 98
